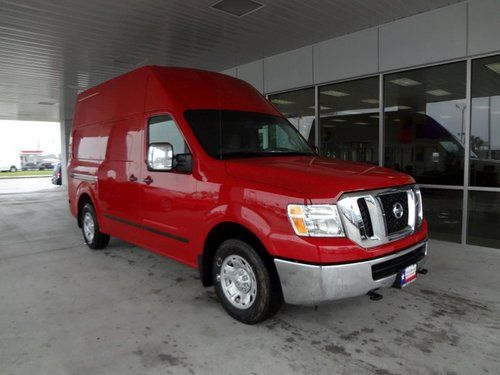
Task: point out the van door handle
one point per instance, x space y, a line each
148 180
132 178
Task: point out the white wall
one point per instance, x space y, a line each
457 31
484 25
293 68
347 56
425 38
253 73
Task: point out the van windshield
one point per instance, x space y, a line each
226 134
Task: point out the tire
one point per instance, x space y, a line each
13 169
255 286
93 237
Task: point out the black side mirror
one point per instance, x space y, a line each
183 163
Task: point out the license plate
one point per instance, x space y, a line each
408 275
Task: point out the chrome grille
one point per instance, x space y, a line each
389 201
372 218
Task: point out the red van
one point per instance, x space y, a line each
200 167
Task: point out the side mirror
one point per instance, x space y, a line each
160 156
183 163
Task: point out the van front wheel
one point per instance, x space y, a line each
93 237
244 284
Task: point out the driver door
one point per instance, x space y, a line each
168 206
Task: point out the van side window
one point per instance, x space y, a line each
163 129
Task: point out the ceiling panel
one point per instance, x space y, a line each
50 46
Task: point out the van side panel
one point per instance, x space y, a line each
95 111
88 150
119 194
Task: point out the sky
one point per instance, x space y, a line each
30 135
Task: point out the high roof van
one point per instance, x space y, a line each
200 167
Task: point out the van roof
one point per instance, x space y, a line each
172 89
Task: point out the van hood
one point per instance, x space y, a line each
315 177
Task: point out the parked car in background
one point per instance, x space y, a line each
47 164
57 175
30 166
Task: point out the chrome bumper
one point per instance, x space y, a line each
305 284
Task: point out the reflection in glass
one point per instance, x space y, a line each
443 211
485 123
298 108
349 120
484 219
226 134
425 123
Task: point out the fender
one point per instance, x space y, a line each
239 214
89 189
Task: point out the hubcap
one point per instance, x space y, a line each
238 282
88 226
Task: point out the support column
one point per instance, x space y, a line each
65 128
66 107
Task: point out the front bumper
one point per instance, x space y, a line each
305 284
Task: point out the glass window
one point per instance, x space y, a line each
298 108
349 120
443 211
485 123
163 129
484 219
424 123
237 134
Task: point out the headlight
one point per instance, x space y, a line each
420 206
315 220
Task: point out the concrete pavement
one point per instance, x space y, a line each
65 309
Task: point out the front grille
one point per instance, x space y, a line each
375 217
389 201
393 266
365 216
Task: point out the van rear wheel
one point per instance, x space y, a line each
244 284
92 235
13 169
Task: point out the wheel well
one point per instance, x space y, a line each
82 201
219 234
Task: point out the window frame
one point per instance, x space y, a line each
148 143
